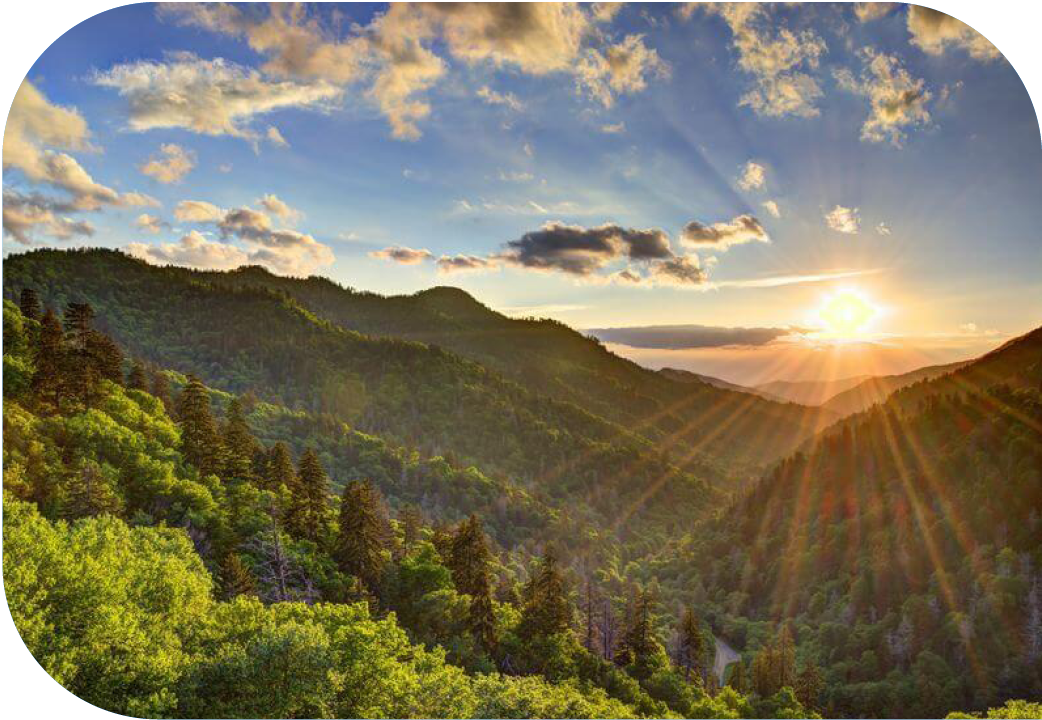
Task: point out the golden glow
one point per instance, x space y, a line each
846 313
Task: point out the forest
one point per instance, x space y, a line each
238 495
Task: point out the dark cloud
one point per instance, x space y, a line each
582 251
464 263
685 337
679 270
27 216
720 236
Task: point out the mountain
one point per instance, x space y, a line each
876 389
809 392
693 377
903 546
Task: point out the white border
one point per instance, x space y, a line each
27 28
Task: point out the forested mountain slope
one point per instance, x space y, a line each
554 360
877 389
903 548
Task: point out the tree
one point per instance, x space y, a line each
29 304
737 678
469 562
136 379
236 579
88 494
546 610
691 646
310 498
279 576
360 547
808 685
106 356
278 468
637 643
412 522
48 380
200 444
161 390
239 443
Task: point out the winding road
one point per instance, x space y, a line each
725 655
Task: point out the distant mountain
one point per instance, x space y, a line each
809 392
689 377
870 391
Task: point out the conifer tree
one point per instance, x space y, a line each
637 643
469 562
547 610
239 443
48 379
360 547
236 579
411 521
278 468
737 678
89 495
29 304
81 371
808 685
200 443
136 379
161 391
691 646
106 356
310 498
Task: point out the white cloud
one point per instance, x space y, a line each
277 207
274 136
722 235
843 219
149 224
882 229
192 250
25 217
934 32
515 176
403 255
869 11
753 177
621 68
614 128
772 208
897 100
198 211
492 97
173 164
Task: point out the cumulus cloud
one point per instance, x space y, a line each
722 235
622 68
753 177
210 97
192 250
772 208
843 219
492 97
686 337
172 164
403 255
149 224
198 211
26 217
465 263
897 100
279 208
581 251
934 32
679 270
779 60
869 11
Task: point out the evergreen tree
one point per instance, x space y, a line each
278 468
469 562
200 443
547 610
106 356
360 547
48 379
808 685
161 391
29 304
136 379
89 495
236 579
239 443
412 522
80 369
310 499
691 646
637 643
737 678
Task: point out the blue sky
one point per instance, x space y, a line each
899 150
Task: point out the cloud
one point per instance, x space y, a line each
882 229
283 251
772 208
274 136
403 255
192 250
149 224
465 263
781 280
514 176
580 251
777 58
492 97
619 69
844 220
753 177
277 207
209 97
934 32
722 235
897 99
525 207
613 128
173 164
869 11
27 216
686 337
679 270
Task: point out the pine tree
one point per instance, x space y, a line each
691 645
106 356
637 643
278 468
161 391
808 685
737 679
546 609
200 444
29 304
48 379
411 521
310 499
89 495
80 368
469 562
236 579
360 547
136 379
239 443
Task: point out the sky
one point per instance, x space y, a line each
847 188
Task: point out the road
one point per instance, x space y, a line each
725 655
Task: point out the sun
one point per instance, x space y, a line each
847 313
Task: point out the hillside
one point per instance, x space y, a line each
904 547
809 392
874 390
692 377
